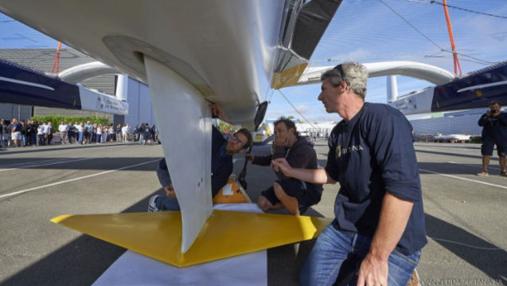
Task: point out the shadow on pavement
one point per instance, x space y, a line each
19 150
485 256
80 262
76 163
457 169
478 156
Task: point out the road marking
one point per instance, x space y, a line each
75 179
26 165
464 179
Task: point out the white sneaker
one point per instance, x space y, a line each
152 206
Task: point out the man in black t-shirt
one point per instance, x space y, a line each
494 132
379 229
294 195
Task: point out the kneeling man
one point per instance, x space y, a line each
293 194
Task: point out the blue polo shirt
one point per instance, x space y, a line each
369 155
221 164
221 161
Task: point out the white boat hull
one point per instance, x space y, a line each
225 48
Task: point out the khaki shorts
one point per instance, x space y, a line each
16 135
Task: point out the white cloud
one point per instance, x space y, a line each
302 109
358 55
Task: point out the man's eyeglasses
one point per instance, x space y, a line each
236 139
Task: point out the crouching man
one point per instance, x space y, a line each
292 194
222 151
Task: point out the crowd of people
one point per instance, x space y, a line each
22 133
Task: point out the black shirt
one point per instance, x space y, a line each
369 155
494 127
300 155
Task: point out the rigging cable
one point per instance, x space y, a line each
484 62
459 8
295 109
468 10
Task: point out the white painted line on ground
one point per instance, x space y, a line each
46 164
464 179
75 179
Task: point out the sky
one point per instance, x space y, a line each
369 31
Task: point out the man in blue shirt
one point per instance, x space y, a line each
222 151
379 229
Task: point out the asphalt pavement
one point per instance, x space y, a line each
465 214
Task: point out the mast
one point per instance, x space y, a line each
457 65
56 60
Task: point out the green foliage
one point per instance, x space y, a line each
225 127
57 119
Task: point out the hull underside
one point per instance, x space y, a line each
225 48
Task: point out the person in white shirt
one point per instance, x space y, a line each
15 127
125 133
80 132
48 133
99 134
117 135
63 128
88 132
110 134
40 134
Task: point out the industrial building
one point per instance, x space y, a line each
135 92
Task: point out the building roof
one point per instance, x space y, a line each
42 60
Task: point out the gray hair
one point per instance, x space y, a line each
354 74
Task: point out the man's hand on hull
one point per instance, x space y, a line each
217 112
169 191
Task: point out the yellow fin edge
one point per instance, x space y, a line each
225 234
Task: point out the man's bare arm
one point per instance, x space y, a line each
316 176
393 220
